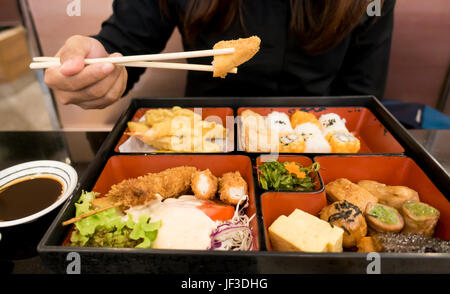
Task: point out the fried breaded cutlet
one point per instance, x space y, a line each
232 188
245 49
204 185
172 182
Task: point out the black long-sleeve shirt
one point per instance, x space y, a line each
356 66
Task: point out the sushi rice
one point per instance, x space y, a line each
279 122
331 122
314 139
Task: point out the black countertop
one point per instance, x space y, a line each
75 148
78 149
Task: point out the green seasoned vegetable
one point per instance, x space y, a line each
385 214
419 209
288 176
108 229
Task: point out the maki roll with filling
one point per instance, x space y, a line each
343 142
314 140
337 134
291 143
331 122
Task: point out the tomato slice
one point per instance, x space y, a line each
217 211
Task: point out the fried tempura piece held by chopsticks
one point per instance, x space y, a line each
245 49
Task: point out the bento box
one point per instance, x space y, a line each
395 159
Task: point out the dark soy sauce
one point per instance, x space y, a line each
28 196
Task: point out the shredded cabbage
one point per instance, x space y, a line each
234 234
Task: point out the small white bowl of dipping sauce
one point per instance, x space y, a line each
32 189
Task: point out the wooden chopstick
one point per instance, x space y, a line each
150 64
80 217
44 64
173 65
149 57
144 60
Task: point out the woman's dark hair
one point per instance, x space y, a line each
319 24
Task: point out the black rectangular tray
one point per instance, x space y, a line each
125 260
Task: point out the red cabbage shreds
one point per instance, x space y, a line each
234 234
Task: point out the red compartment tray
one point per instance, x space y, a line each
222 115
121 167
389 170
275 204
373 135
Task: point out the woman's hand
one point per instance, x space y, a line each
90 86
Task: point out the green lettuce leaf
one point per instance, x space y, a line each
145 230
84 203
108 229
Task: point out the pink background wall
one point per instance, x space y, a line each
420 54
54 26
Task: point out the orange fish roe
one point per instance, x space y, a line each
301 117
293 168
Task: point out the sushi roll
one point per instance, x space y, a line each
204 185
279 122
316 144
314 140
331 122
337 134
308 128
343 142
232 188
300 117
291 143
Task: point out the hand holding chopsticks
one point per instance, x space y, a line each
144 60
85 74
